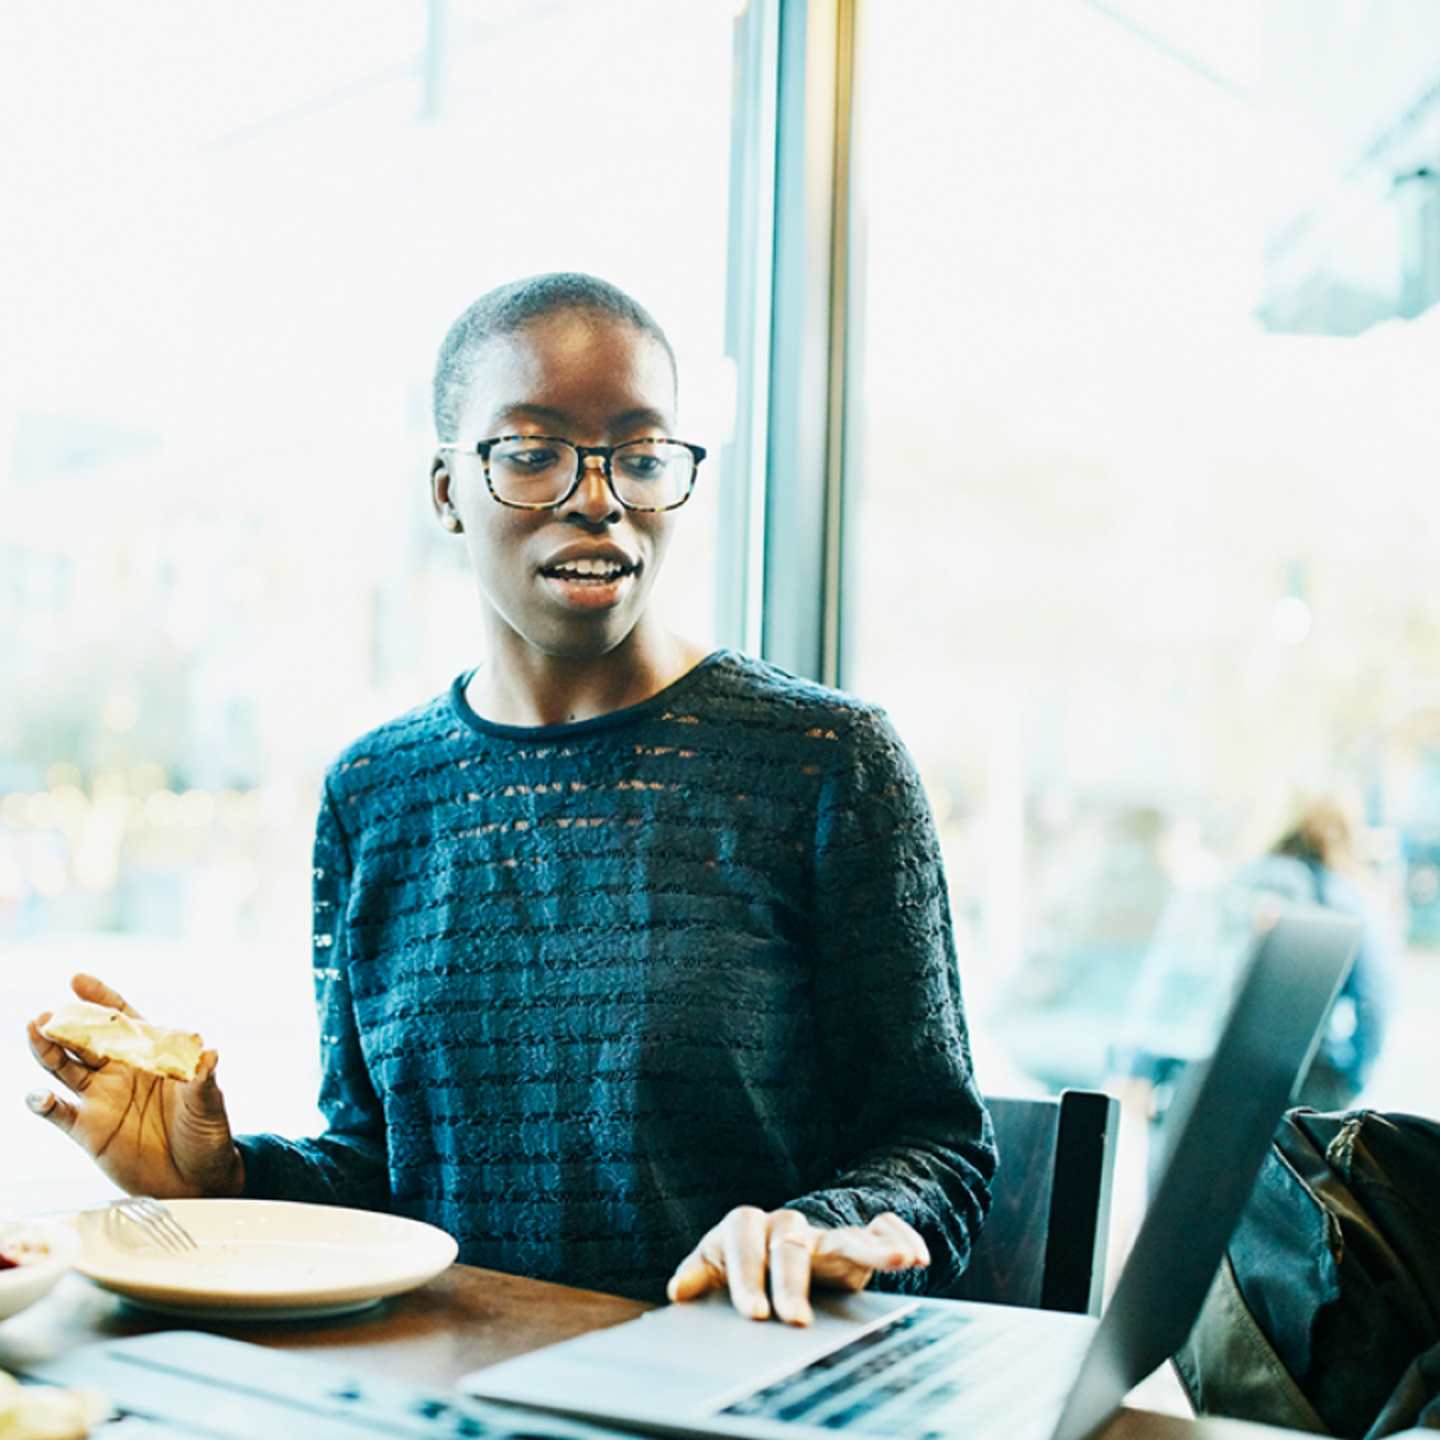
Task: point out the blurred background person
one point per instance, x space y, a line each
1317 862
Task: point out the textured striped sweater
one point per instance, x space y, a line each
585 987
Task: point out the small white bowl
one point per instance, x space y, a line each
23 1285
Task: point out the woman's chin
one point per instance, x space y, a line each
582 635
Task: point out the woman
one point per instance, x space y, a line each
1317 862
634 963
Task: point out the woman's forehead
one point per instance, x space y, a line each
595 369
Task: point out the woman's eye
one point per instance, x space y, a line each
641 467
531 459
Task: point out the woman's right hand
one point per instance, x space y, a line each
151 1136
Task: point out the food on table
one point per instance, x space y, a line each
41 1412
113 1035
21 1244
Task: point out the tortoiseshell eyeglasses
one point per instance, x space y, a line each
541 472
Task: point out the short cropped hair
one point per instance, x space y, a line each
508 308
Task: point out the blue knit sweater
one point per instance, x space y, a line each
583 988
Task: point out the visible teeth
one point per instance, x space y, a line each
588 567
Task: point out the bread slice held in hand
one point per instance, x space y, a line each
113 1035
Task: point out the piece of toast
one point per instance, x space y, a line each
113 1035
48 1411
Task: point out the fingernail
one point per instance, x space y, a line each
39 1101
759 1308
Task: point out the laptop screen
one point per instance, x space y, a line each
1264 1047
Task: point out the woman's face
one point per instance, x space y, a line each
595 380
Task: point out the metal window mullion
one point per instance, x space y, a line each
847 470
807 395
750 266
839 376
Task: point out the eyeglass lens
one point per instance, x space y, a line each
649 474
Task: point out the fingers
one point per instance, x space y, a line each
744 1235
910 1248
739 1253
748 1246
848 1257
49 1106
699 1272
87 987
202 1091
791 1240
731 1255
72 1072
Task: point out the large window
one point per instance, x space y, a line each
1142 524
244 231
1120 501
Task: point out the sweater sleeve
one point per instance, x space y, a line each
912 1130
347 1165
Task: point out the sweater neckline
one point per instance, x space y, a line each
566 729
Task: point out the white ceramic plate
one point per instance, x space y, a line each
269 1260
23 1285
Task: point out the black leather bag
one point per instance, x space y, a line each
1325 1314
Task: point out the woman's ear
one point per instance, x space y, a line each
440 496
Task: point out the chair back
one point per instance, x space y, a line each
1044 1241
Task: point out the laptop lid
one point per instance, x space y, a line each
1264 1047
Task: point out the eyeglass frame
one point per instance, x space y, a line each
482 448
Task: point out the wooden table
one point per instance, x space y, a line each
465 1319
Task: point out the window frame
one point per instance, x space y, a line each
792 268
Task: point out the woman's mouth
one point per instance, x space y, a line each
589 584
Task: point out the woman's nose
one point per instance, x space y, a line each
593 497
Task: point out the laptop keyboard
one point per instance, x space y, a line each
181 1385
897 1379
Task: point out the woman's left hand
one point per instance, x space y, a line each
749 1244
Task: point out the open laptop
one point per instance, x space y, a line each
875 1364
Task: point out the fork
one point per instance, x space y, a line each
154 1223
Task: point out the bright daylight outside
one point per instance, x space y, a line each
1171 447
1171 456
1058 378
218 562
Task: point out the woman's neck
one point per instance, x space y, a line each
520 685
